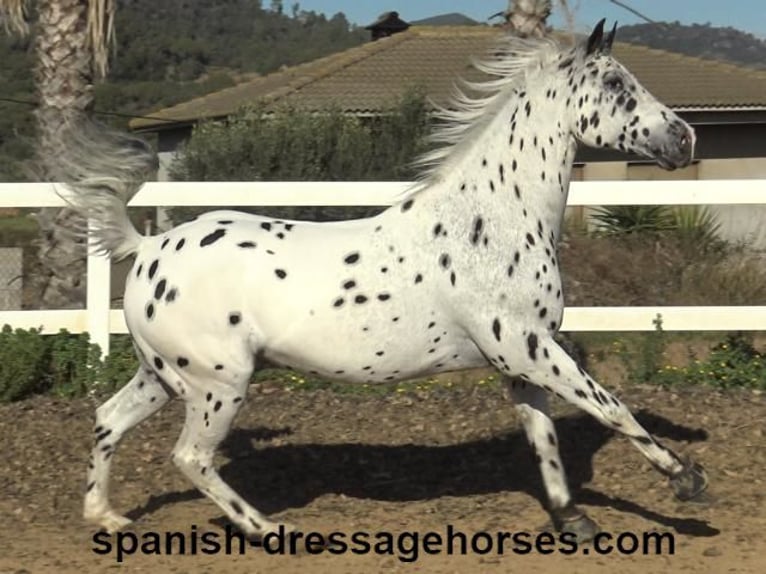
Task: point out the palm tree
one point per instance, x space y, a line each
72 38
529 17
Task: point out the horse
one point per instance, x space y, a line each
461 272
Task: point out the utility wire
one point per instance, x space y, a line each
633 11
98 112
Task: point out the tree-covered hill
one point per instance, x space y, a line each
701 40
171 51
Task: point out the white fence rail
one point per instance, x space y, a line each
98 320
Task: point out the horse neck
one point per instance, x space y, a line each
512 168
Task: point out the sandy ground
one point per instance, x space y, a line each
410 462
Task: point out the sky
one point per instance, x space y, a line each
747 15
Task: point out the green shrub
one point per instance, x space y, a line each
64 364
24 358
732 363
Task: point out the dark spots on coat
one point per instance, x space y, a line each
496 328
514 165
530 239
492 186
510 271
360 299
432 324
380 353
235 318
532 343
350 284
581 394
517 190
383 297
407 205
150 311
217 406
478 225
225 222
351 258
266 226
281 273
153 269
280 235
158 363
247 244
182 362
159 290
139 269
102 435
445 260
554 464
171 296
180 244
543 312
90 486
551 439
211 238
209 397
501 171
516 257
236 507
165 243
556 370
631 105
219 367
646 440
452 278
384 269
438 228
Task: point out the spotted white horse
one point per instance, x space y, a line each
461 273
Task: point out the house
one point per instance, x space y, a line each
725 103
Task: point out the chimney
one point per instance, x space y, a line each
386 25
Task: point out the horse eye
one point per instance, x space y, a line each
613 83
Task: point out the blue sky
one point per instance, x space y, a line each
748 15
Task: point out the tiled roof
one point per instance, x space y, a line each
368 78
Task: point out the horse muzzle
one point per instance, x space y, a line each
677 147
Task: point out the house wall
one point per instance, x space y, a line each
742 224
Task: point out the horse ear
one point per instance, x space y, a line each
609 40
596 40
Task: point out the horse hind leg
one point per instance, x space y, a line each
141 397
211 406
531 403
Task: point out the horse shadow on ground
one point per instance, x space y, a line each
275 478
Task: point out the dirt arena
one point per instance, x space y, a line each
404 462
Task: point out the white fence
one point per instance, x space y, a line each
98 320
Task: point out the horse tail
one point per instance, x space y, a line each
101 169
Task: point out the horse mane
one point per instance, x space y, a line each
464 118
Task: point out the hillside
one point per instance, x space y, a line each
174 50
171 51
701 40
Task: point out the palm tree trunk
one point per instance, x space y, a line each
65 87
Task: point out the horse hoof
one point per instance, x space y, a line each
575 521
690 482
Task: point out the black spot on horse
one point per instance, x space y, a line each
496 328
359 299
159 290
407 205
153 269
158 363
212 237
246 244
266 226
351 258
180 244
350 284
171 296
150 311
182 362
532 343
235 318
281 273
